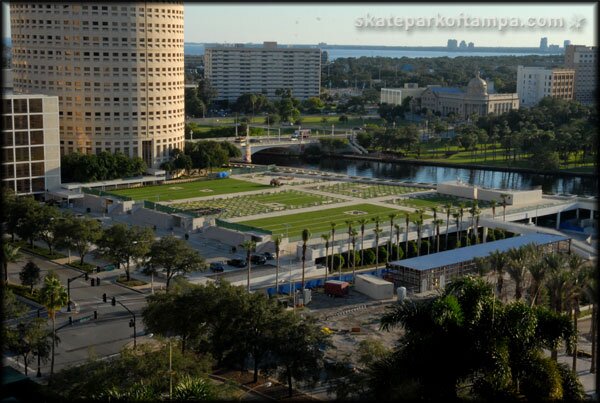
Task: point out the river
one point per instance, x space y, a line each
584 186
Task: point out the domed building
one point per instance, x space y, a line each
475 100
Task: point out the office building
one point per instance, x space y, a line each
566 43
463 45
583 59
30 143
544 43
535 83
117 69
236 70
452 44
476 100
395 96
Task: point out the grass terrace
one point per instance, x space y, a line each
319 222
436 200
366 190
240 206
188 190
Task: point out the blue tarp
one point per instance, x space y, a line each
222 175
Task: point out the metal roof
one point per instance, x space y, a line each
467 253
447 90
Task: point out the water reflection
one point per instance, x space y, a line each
433 174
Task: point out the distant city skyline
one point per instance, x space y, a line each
336 24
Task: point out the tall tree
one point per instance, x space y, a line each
30 275
121 244
305 237
10 254
499 263
362 222
79 234
349 224
173 256
326 238
249 246
26 339
277 243
53 296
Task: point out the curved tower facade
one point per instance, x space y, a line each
117 69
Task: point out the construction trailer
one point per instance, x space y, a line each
374 287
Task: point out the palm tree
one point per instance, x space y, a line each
10 254
332 242
579 276
461 211
437 236
326 238
397 228
392 217
557 285
503 196
537 271
499 263
353 234
250 246
305 237
518 262
591 291
277 241
475 211
362 222
493 205
419 224
448 210
53 296
349 224
456 217
377 231
407 221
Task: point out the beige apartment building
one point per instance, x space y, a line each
535 83
584 60
395 96
117 69
476 100
30 143
237 69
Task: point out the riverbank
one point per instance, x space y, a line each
392 159
457 165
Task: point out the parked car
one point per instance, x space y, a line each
217 267
268 255
258 259
236 262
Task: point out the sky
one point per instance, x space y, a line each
356 23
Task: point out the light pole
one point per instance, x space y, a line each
132 322
69 289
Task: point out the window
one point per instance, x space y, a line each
36 121
37 153
20 122
20 105
21 139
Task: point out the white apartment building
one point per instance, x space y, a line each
235 70
30 143
584 59
535 83
117 69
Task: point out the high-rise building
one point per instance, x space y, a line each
566 43
535 83
236 70
544 43
471 45
584 60
30 143
463 45
117 69
452 43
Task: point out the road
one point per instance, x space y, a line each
100 337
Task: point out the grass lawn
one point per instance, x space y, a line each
188 190
240 206
367 191
319 222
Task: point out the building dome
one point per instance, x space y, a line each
477 86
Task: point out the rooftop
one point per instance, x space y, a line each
467 253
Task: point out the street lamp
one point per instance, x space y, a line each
132 322
69 289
